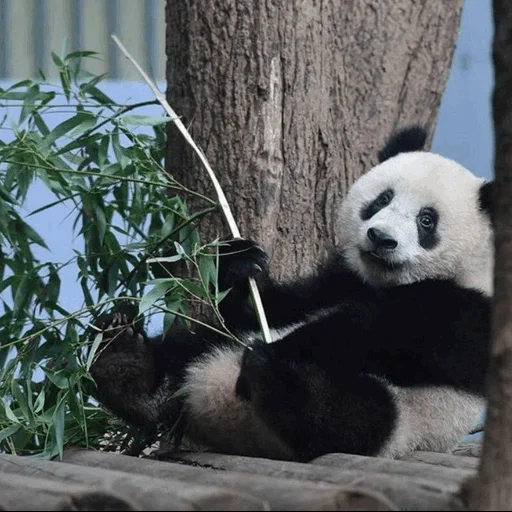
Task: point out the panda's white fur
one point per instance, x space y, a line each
430 418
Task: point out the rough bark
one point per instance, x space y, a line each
292 99
493 488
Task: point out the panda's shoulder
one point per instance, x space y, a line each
440 293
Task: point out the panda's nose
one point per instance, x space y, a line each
381 240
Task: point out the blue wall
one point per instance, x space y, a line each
464 130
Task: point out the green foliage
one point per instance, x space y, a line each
127 213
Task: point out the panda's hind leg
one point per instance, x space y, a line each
217 417
314 409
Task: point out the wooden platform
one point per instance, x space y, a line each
91 480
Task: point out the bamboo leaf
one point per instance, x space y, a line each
57 60
34 236
9 431
207 271
39 403
61 381
90 358
102 223
158 292
8 412
79 54
169 316
145 120
58 423
21 399
84 120
23 294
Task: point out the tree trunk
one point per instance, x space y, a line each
493 488
290 100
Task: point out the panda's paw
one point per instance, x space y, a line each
257 370
121 332
240 259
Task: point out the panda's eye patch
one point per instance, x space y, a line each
385 198
382 200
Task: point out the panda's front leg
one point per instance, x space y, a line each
239 260
137 376
125 373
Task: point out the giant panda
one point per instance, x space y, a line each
382 351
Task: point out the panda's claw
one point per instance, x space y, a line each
116 320
121 334
262 253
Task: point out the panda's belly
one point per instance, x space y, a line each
431 419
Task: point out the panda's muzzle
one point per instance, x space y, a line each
380 240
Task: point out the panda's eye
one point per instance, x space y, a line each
426 221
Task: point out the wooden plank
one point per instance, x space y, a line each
280 493
153 493
96 500
18 492
468 449
443 459
405 492
411 470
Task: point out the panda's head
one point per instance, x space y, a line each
418 215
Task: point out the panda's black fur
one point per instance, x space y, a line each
348 357
411 139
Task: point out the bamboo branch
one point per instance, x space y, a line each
218 189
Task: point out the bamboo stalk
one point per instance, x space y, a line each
226 210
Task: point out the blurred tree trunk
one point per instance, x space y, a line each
290 100
493 488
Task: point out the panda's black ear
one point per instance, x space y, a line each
405 140
486 199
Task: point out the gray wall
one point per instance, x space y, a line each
31 29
